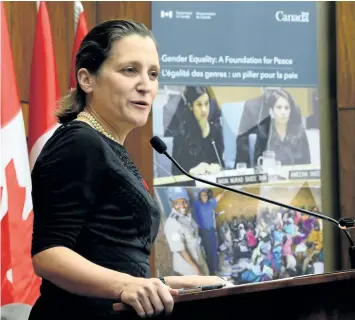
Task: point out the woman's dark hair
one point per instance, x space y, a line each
94 50
189 123
193 93
203 191
295 115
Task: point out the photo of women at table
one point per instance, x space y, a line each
279 131
198 143
190 124
255 241
219 132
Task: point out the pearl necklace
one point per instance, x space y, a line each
96 124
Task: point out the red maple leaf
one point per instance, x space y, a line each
17 237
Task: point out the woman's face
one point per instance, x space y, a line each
203 197
127 82
281 111
201 108
181 206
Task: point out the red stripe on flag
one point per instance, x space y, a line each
44 90
19 283
9 94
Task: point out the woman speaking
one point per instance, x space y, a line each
94 220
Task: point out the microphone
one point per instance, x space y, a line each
216 152
346 223
167 171
343 224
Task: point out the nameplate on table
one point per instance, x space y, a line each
244 179
304 174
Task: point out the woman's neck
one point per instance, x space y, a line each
281 129
205 128
118 134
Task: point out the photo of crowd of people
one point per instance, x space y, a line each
214 129
213 232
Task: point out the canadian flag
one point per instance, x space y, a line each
44 89
19 284
80 29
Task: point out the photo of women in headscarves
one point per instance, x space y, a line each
216 232
282 132
198 144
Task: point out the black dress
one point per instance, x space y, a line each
88 196
190 148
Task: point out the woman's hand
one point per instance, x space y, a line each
205 168
193 281
211 280
207 280
200 168
213 168
147 297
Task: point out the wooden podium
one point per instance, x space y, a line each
313 297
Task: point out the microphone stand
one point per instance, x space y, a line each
343 224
